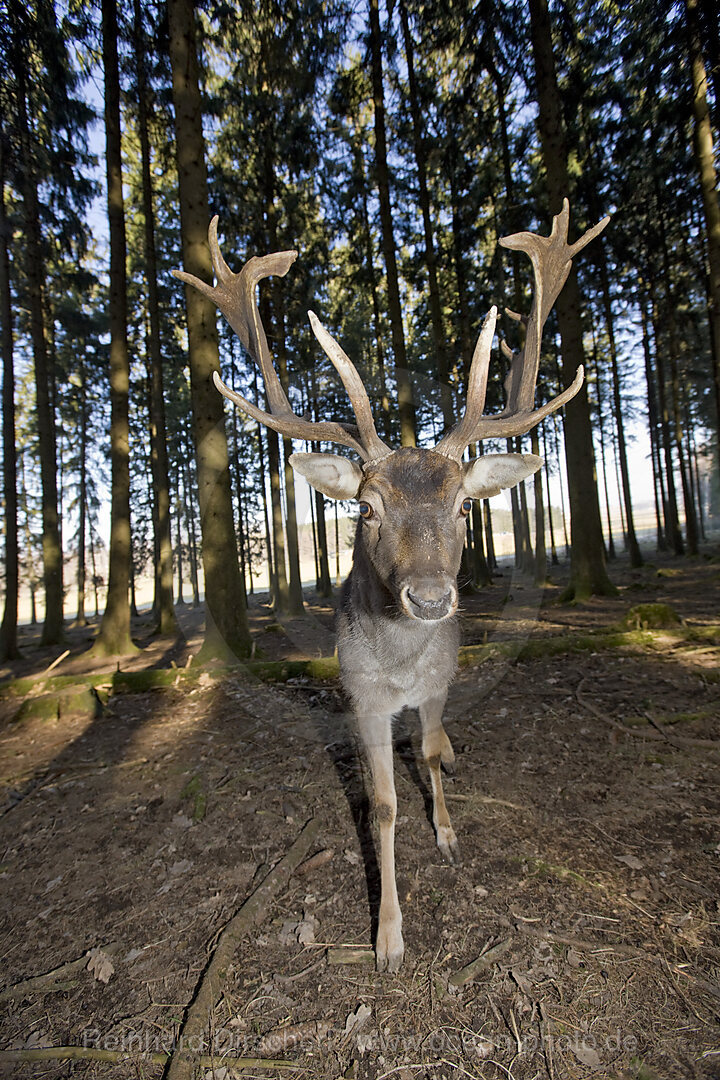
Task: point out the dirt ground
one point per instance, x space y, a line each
586 803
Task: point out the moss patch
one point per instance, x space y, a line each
651 617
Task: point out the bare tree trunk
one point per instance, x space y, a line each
705 162
420 154
588 570
406 404
225 604
178 535
603 457
8 632
546 469
672 524
51 545
80 619
114 635
167 624
560 482
384 426
658 487
540 549
337 549
489 542
636 559
673 353
190 518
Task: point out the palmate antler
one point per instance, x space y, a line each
234 295
551 257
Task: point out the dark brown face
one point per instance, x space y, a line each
413 509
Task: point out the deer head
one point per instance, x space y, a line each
412 502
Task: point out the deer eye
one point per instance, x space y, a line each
365 510
466 506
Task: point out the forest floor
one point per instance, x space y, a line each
586 803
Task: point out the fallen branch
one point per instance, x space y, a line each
584 946
658 734
91 1053
54 980
254 910
485 960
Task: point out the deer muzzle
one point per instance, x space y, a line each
431 599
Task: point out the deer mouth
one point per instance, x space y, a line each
429 602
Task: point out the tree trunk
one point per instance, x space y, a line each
384 426
420 154
226 612
540 549
603 457
81 619
489 542
167 624
8 632
546 469
636 559
588 570
178 533
406 404
673 350
281 600
705 162
672 524
114 635
34 271
658 487
192 538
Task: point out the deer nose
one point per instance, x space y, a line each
430 599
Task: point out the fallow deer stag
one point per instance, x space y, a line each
396 632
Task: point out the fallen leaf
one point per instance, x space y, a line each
630 860
100 965
355 1020
586 1055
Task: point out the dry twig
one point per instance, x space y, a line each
658 735
253 911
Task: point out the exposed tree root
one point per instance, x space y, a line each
181 1063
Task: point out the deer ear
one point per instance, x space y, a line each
489 474
337 477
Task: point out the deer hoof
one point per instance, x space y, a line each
449 847
389 949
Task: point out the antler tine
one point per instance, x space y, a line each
454 443
355 389
551 258
234 295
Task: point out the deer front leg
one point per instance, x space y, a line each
376 733
438 750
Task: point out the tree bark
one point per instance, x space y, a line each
406 403
8 631
705 162
114 636
588 570
167 623
226 613
672 524
80 618
636 559
420 154
34 271
658 486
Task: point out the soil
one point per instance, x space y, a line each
586 803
